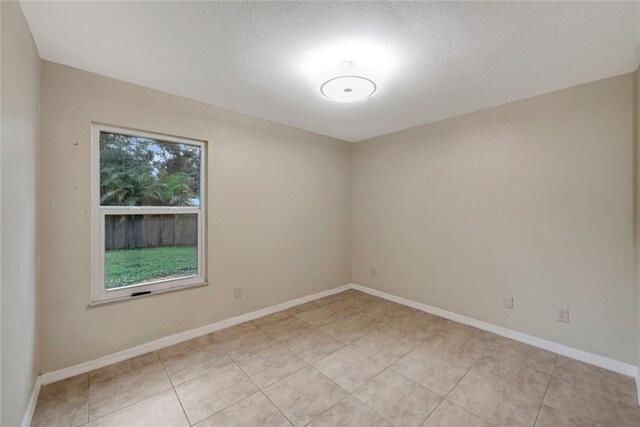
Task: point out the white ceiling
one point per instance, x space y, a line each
430 60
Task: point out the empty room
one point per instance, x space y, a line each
319 213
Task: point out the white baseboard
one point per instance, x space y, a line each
83 368
574 353
584 356
31 405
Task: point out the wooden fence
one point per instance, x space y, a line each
150 231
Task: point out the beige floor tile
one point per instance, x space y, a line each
521 378
311 305
378 306
208 394
110 395
160 410
370 301
231 331
352 293
504 383
425 320
245 344
187 366
406 332
270 365
64 403
287 328
494 403
590 404
186 347
442 325
346 330
374 320
271 318
382 348
450 415
550 417
365 295
350 412
399 400
349 368
430 371
123 367
331 298
455 353
588 376
396 311
343 308
505 348
255 410
465 338
304 395
318 316
364 298
313 345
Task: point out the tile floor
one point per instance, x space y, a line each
349 359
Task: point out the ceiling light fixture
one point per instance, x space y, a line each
349 87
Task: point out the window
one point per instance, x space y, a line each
148 213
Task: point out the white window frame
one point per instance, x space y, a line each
99 294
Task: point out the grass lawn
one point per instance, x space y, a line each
130 266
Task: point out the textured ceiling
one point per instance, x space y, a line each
430 60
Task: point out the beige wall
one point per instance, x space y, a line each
637 211
20 94
533 199
279 215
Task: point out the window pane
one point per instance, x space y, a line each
140 249
137 171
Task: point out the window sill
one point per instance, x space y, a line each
129 297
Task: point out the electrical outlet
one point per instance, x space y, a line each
562 314
373 271
237 292
507 302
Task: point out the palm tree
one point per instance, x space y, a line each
129 187
174 190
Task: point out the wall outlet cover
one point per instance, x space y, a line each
562 314
507 302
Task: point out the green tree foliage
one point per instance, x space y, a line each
144 172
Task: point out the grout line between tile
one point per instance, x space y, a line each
182 407
88 398
276 406
175 391
338 385
232 361
459 381
365 404
328 409
260 390
129 405
546 390
468 411
388 366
